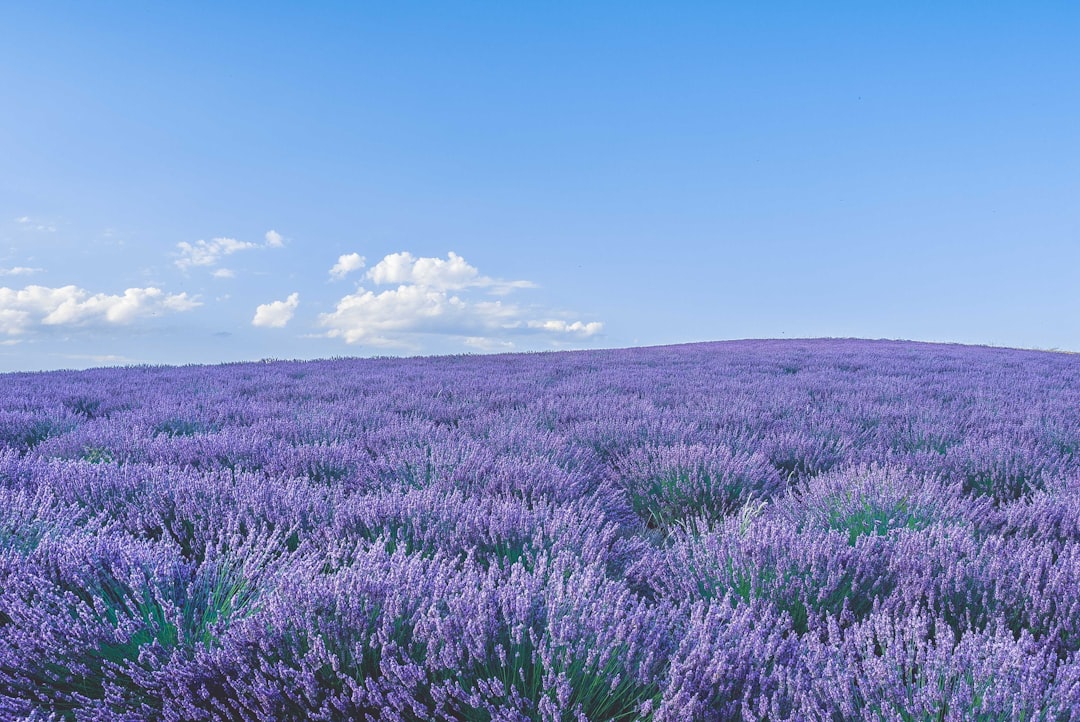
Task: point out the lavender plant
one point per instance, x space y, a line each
798 530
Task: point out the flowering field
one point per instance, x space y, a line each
803 530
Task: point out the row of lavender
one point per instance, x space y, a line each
821 530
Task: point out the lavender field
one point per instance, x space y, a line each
774 530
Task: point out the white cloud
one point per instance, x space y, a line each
208 253
99 358
277 313
224 273
178 301
439 296
19 271
488 344
22 310
453 273
380 319
576 328
32 224
346 264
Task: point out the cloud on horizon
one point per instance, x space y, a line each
446 297
23 310
401 302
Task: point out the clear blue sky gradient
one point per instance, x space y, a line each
673 171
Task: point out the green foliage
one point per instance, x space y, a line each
220 595
516 678
180 427
876 517
21 535
34 433
1002 486
683 495
97 455
87 407
129 620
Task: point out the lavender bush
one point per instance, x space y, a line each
797 530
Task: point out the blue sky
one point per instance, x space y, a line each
179 180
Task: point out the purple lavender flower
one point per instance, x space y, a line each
804 530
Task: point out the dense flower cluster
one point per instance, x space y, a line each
799 530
